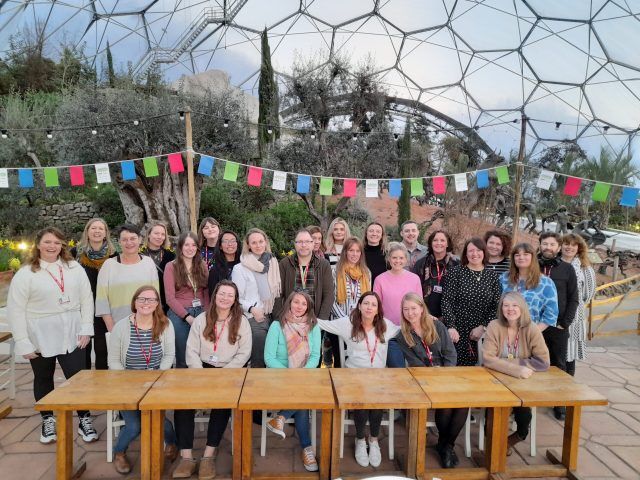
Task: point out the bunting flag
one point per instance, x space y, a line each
482 179
304 181
128 170
254 178
25 178
102 173
4 178
51 177
395 188
350 187
326 186
629 197
461 182
545 179
231 171
503 174
205 166
175 163
439 185
371 189
417 187
76 173
279 180
150 166
600 192
572 186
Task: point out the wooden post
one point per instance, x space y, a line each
193 214
518 187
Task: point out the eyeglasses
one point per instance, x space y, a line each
304 242
146 300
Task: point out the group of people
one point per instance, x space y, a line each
219 301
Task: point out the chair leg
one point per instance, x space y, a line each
467 436
532 435
314 431
12 368
109 436
342 431
392 424
263 434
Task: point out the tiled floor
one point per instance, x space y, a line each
610 437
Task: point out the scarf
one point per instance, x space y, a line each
267 273
87 257
355 273
296 332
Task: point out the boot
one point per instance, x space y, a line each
185 468
207 469
121 463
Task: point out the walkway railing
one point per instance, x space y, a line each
623 292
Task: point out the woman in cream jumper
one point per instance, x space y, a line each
515 346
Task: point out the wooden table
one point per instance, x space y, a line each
467 387
287 389
379 388
179 389
10 372
93 390
549 389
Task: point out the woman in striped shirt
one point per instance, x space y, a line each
498 248
144 342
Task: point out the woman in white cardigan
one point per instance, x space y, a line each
145 340
257 277
50 311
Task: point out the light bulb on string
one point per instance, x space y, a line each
181 115
94 131
354 137
313 135
136 122
606 129
226 123
49 134
5 134
395 136
269 130
558 125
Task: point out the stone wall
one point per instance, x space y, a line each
69 216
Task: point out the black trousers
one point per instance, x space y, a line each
99 341
374 417
450 422
332 353
185 422
571 368
557 340
522 416
44 368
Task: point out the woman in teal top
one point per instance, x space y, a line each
294 342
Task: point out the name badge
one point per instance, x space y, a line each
213 359
196 303
64 299
437 289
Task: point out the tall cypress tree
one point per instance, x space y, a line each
404 203
269 106
110 71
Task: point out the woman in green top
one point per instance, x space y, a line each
294 342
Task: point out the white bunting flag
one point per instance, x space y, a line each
372 188
545 179
279 180
102 173
4 178
461 182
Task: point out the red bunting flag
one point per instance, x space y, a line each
439 186
77 175
175 163
572 186
350 185
255 176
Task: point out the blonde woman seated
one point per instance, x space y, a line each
294 342
219 338
366 333
426 343
515 346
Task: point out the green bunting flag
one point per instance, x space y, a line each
601 192
51 177
417 187
503 174
231 171
326 186
150 166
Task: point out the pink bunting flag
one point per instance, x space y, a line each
175 163
572 186
255 176
350 185
439 186
77 175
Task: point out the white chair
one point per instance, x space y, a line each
114 422
289 421
345 422
11 370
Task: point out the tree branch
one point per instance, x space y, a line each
314 213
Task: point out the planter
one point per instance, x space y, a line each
5 280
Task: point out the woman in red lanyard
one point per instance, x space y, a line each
221 338
145 342
514 345
425 342
185 288
208 233
50 312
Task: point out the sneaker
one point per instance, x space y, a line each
86 430
48 433
276 425
309 460
185 468
375 457
362 457
121 463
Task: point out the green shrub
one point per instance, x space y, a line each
108 206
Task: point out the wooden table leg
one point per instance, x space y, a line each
146 427
64 447
416 443
4 412
247 448
236 472
157 443
571 437
496 448
325 444
335 444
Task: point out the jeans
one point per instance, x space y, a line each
258 336
301 418
131 430
395 357
182 328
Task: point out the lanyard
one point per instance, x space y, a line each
547 270
515 346
372 355
147 359
215 333
193 285
304 272
428 350
59 283
438 274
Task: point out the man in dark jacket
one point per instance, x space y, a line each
564 277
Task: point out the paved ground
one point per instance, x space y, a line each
609 449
